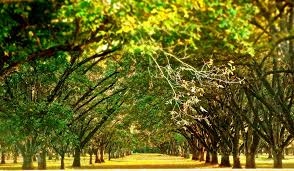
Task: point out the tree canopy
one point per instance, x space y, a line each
182 76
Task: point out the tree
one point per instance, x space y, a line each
35 40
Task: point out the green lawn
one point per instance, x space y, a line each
140 161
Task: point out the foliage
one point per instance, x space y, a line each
151 73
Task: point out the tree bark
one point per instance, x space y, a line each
109 154
236 161
250 160
278 156
62 162
235 152
236 147
225 160
207 158
90 160
102 155
15 155
201 157
214 158
251 144
27 162
3 157
270 155
77 158
42 160
195 155
97 160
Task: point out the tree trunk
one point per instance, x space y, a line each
251 145
97 160
42 160
3 157
236 147
77 158
214 159
90 161
278 156
195 155
225 161
250 160
27 162
270 155
207 158
15 155
102 155
201 158
236 161
235 152
62 162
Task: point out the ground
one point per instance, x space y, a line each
155 161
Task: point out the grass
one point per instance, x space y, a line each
263 162
146 161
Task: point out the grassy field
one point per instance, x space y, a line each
144 161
